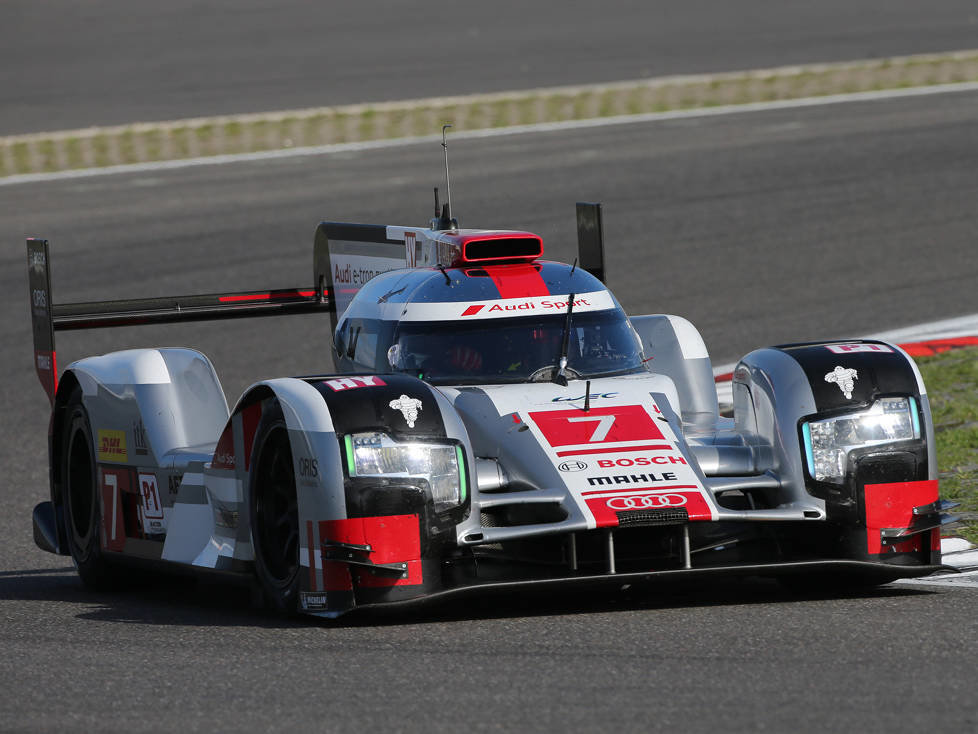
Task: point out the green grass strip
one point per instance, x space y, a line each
388 120
952 386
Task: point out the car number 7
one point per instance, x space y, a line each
601 430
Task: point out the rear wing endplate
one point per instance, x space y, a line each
590 239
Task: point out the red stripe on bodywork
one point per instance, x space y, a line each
249 420
269 296
615 450
891 506
518 281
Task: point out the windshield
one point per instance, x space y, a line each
516 349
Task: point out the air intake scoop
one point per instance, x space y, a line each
489 247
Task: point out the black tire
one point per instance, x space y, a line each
82 506
274 513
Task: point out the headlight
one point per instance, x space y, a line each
829 441
438 465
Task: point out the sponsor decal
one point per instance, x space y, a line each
351 383
593 396
503 307
153 518
410 249
409 407
307 469
845 378
649 478
37 260
312 601
572 466
351 274
850 348
642 461
112 446
646 502
173 483
524 305
606 505
224 453
225 517
140 445
39 297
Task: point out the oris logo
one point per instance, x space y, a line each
648 502
570 466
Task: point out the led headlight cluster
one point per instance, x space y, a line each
829 441
438 465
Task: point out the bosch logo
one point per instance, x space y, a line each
647 502
571 466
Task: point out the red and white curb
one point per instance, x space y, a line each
922 340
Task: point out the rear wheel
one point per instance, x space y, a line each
275 513
82 505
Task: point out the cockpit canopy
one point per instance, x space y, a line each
458 327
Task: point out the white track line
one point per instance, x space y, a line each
968 580
218 160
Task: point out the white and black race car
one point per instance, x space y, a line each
499 422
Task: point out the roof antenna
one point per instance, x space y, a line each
444 220
448 180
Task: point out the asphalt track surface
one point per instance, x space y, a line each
760 227
68 65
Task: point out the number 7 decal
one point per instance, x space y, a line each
114 482
601 430
598 425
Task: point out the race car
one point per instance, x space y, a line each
497 422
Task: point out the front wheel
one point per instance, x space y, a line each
274 512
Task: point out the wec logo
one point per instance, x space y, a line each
592 396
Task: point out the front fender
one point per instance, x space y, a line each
380 539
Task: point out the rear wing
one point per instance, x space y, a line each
48 317
345 257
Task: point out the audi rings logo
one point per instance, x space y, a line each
646 502
572 466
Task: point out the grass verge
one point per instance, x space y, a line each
952 385
147 142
